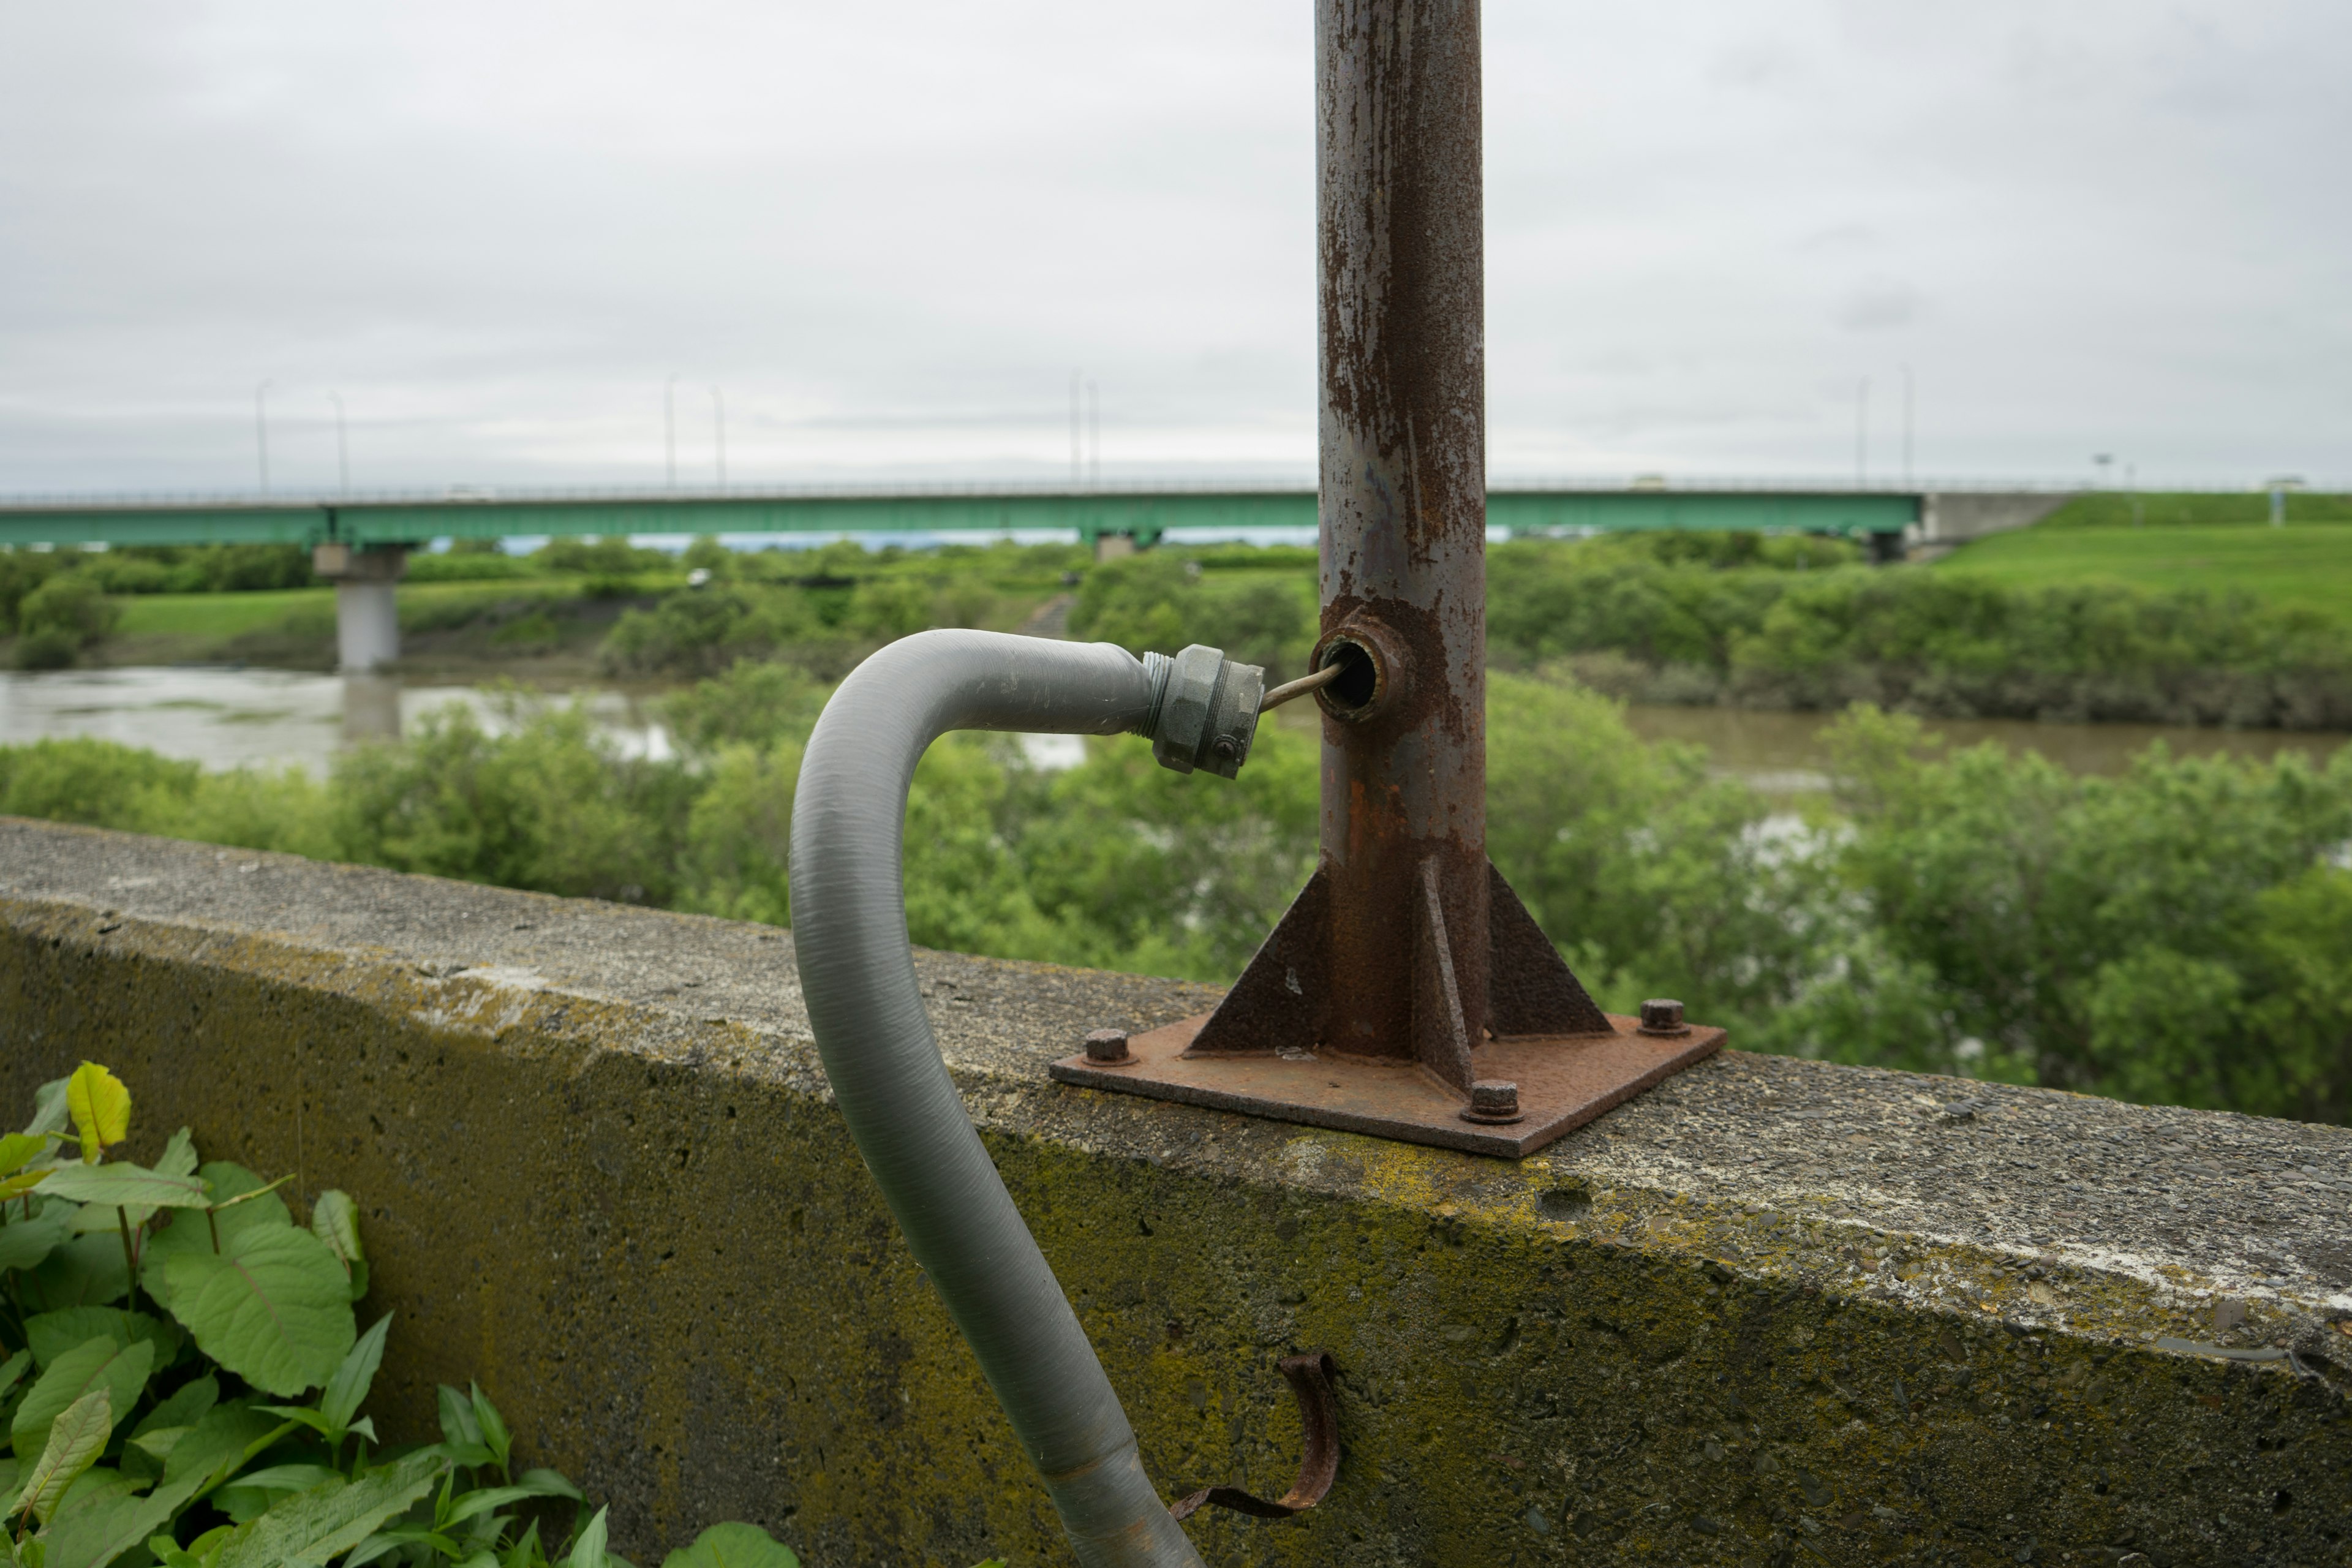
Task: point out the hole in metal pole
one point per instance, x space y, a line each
1359 676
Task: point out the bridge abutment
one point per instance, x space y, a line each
367 619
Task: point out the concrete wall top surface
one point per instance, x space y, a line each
2098 1270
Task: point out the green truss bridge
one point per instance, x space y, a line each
362 543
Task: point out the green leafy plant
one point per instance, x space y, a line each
182 1375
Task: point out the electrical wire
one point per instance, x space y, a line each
1299 688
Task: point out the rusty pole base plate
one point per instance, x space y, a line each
1564 1082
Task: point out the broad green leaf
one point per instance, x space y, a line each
49 1108
94 1537
24 1243
102 1364
17 1148
179 1162
230 1181
75 1440
457 1423
547 1483
335 1220
492 1426
187 1406
51 1334
145 1453
188 1232
101 1108
92 1489
118 1183
525 1549
368 1550
588 1550
24 1182
287 1477
179 1158
733 1546
468 1504
88 1271
222 1441
273 1307
348 1386
331 1518
14 1368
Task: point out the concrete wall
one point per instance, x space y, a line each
1775 1312
1949 518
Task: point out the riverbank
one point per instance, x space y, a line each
223 716
2080 619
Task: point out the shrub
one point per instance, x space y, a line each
2108 934
1161 602
699 632
62 616
21 572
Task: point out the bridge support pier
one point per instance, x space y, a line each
367 622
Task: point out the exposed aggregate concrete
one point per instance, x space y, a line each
1773 1311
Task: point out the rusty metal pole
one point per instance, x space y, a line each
1407 993
1403 465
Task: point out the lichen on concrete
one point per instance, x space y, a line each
1772 1312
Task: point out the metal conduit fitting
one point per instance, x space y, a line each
1204 710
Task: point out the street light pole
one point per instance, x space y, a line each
1862 433
718 418
1094 418
1907 427
261 433
669 429
342 446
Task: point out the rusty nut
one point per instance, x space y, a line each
1107 1048
1493 1099
1662 1015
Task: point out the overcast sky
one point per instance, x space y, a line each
889 231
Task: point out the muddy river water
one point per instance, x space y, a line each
229 718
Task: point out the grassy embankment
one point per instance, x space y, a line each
2182 543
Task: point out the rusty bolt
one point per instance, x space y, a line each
1493 1099
1661 1015
1107 1048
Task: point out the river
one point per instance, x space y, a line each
227 718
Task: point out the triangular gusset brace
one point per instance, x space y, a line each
1440 1039
1281 1001
1529 988
1283 997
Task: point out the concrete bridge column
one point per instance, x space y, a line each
367 623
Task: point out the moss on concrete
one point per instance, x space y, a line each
1773 1312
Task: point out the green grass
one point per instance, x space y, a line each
217 614
2307 564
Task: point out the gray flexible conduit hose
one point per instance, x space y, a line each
858 977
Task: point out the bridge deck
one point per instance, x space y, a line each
1088 513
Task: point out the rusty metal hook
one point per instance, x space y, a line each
1318 1417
